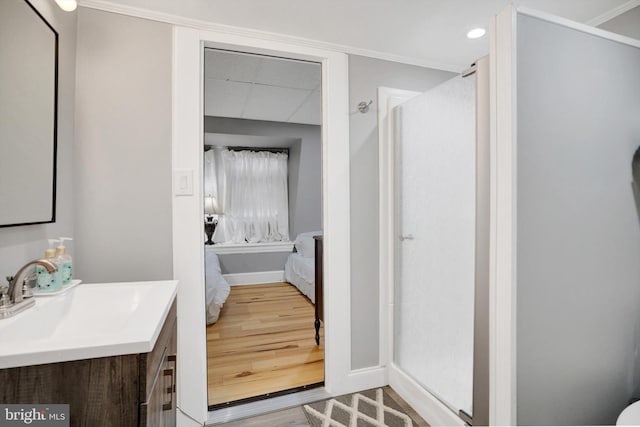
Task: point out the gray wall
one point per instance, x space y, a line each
249 263
305 184
627 24
365 76
21 244
123 155
578 234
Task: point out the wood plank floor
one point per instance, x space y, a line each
262 343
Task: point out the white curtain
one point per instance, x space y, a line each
252 193
210 179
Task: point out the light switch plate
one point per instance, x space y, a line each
183 182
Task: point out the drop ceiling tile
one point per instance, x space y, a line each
289 73
310 112
273 103
238 67
225 98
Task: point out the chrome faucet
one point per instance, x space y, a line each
15 285
13 298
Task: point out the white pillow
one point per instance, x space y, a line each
305 245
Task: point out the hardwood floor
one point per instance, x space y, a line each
262 343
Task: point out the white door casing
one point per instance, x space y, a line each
188 252
388 98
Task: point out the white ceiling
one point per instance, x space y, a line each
422 32
261 88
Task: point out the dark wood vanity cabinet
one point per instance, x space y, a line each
158 371
125 390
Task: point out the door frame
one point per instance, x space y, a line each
388 98
188 217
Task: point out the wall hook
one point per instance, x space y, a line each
363 106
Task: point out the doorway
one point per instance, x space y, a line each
262 197
188 236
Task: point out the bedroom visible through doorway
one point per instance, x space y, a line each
263 226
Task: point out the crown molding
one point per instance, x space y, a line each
617 11
585 28
198 24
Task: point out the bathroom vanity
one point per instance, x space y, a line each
109 351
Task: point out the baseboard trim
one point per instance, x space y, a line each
366 378
255 278
268 405
425 404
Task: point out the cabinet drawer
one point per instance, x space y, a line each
151 363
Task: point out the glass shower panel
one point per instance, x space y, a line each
434 290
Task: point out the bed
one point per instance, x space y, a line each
299 269
216 287
300 272
303 270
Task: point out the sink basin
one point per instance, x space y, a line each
91 320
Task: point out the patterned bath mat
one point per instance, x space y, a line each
371 408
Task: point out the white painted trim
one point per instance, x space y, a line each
502 236
183 420
198 24
617 11
278 403
434 412
585 28
368 378
188 216
388 98
249 248
254 278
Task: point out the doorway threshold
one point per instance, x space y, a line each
223 413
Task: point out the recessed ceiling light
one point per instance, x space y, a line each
67 5
476 33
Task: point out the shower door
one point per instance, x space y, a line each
433 324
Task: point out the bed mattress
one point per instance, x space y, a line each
217 289
300 272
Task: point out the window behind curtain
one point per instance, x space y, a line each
252 190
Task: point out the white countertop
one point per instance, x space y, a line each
89 321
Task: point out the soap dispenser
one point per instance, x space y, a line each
45 281
64 262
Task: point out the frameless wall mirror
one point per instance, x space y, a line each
28 115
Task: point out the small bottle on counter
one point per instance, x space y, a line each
45 281
64 262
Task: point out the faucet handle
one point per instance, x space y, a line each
26 291
4 295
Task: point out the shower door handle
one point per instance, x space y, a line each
406 237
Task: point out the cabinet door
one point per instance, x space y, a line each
169 372
152 411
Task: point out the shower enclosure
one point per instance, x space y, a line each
440 304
